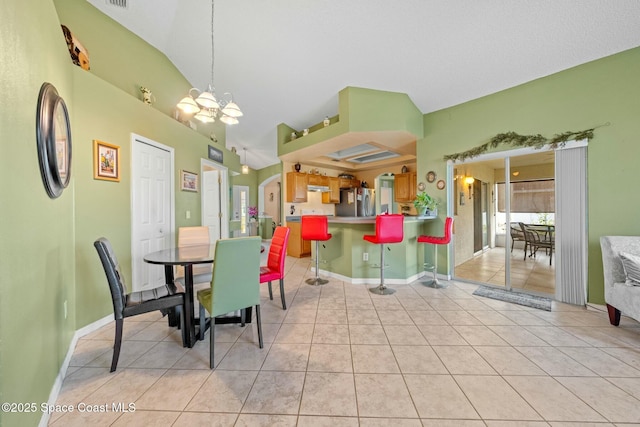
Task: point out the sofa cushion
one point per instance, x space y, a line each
631 266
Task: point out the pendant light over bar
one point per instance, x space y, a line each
204 104
245 166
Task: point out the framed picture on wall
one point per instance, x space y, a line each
188 181
215 154
106 161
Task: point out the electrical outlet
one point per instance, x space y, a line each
365 256
188 215
65 309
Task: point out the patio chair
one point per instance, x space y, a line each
535 242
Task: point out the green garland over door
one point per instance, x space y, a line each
515 140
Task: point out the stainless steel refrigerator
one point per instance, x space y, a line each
356 202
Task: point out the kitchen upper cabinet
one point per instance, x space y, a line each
297 187
348 183
317 180
405 187
333 196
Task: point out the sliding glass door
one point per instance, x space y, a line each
505 222
536 217
530 189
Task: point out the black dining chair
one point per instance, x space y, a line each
163 298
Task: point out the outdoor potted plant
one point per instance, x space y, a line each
425 204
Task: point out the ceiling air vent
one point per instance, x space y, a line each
118 3
382 155
352 151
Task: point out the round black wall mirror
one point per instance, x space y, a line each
53 137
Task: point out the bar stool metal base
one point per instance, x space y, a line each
382 290
316 281
435 283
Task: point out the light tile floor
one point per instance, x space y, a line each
530 274
341 356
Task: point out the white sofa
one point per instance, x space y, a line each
619 296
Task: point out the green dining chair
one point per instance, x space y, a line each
235 285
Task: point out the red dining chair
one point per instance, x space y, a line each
389 229
437 241
316 227
274 270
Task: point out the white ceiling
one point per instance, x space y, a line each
285 60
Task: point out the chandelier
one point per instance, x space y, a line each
204 104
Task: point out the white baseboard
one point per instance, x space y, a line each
374 280
57 384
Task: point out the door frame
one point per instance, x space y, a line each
139 139
224 193
505 155
478 194
261 196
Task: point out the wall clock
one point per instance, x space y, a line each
53 138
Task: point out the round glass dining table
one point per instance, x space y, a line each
185 256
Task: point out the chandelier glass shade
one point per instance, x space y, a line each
204 104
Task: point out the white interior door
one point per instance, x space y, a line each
240 209
152 222
215 199
211 214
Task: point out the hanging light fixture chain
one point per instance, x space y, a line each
212 45
205 106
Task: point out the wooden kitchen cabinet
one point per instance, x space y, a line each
404 187
297 187
297 247
348 183
333 195
317 180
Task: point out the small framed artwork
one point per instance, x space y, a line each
215 154
106 161
188 181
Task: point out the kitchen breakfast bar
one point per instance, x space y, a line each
346 256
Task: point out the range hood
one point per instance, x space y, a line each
318 188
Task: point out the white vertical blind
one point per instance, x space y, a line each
571 225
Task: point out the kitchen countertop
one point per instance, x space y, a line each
360 219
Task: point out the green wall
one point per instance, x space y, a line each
46 251
46 255
103 207
269 171
601 91
37 243
360 110
123 59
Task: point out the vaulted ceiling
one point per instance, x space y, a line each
286 60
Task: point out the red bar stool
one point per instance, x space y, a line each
436 240
316 227
389 229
